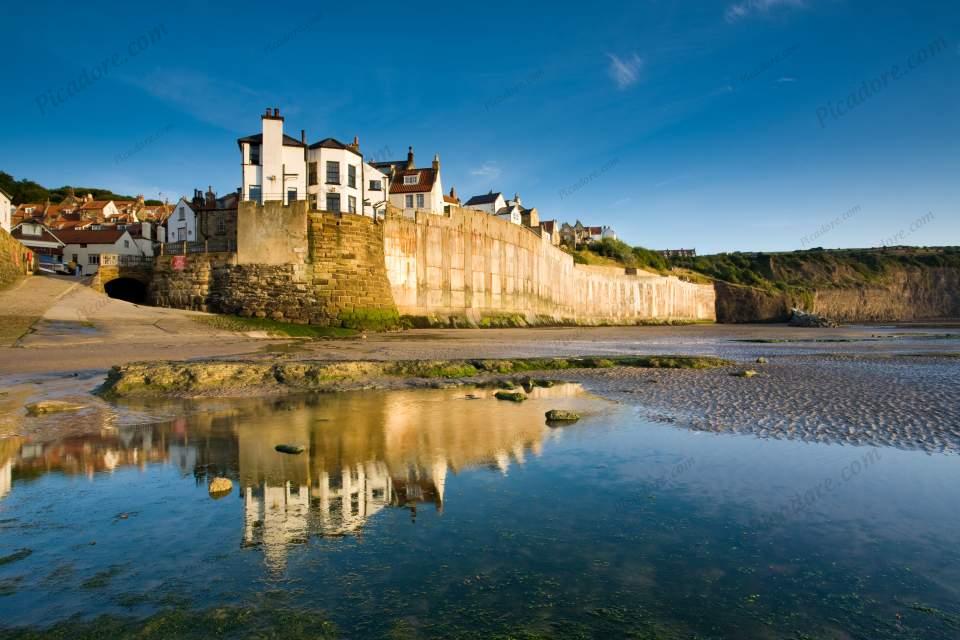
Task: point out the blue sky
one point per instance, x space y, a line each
719 125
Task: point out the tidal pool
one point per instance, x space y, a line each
446 513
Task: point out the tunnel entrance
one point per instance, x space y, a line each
126 289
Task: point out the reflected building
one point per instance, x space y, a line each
363 452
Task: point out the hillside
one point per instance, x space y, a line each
851 285
24 190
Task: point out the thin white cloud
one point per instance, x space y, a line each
749 8
784 79
488 169
625 72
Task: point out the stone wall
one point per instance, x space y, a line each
342 282
474 266
272 233
15 259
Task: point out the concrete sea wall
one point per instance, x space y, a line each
471 265
459 269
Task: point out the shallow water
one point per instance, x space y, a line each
428 514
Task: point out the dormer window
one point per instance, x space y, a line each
414 179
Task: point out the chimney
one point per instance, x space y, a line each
410 164
211 198
436 163
453 192
276 112
267 113
303 136
356 143
516 198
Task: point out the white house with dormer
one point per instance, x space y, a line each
339 181
414 189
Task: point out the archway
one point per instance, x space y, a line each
127 289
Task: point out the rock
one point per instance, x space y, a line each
561 415
761 360
292 449
51 406
803 319
748 373
512 396
219 487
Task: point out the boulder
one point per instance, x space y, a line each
220 487
51 406
562 415
748 373
801 318
292 449
761 360
512 396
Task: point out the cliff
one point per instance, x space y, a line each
902 284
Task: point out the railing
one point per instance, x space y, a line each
274 197
213 245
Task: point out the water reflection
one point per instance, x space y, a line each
363 453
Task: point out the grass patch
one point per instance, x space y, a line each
274 327
370 319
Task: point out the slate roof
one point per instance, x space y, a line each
333 143
487 198
77 236
257 138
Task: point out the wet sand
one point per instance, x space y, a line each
882 385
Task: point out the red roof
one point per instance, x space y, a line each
78 236
95 204
424 184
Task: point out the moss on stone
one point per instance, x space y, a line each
370 319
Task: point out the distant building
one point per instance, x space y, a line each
414 189
41 240
489 202
679 253
451 201
552 229
510 210
84 247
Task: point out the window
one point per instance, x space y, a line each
419 201
313 202
333 202
181 234
254 154
74 258
181 214
291 194
93 258
351 204
126 244
312 173
375 185
221 226
333 172
252 194
95 227
351 176
409 202
414 179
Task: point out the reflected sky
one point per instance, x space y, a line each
456 515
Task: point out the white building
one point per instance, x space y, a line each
182 223
332 175
413 189
84 247
274 165
42 241
491 202
6 210
339 181
99 209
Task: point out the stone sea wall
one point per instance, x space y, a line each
474 266
461 269
15 259
340 278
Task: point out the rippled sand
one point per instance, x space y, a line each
909 402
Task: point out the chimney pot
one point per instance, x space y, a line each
303 136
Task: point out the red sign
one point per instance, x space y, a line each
178 263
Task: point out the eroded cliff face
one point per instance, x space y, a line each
903 294
906 294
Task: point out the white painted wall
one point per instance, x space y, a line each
5 212
182 223
124 245
344 159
